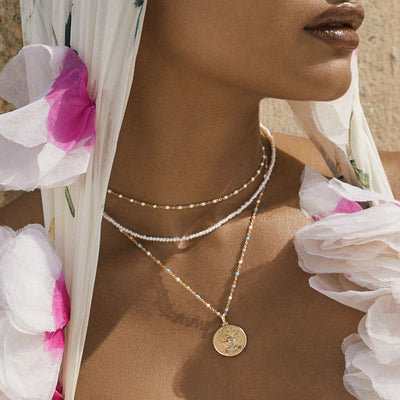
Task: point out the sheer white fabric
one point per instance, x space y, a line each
354 254
47 141
34 308
106 36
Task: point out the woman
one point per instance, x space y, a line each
191 133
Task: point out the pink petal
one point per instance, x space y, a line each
57 394
72 113
61 303
346 206
54 344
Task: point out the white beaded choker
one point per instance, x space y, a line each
212 228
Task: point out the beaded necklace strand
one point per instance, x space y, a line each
229 340
212 228
200 203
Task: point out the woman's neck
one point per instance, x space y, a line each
186 137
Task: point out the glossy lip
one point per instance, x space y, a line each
337 25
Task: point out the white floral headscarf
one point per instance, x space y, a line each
100 31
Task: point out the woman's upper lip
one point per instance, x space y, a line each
345 15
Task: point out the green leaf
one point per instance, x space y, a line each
54 36
138 3
68 31
69 201
362 176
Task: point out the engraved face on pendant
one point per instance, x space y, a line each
229 340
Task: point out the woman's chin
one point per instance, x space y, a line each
336 90
320 87
328 82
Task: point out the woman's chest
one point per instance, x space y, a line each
149 338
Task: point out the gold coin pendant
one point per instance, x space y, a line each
229 340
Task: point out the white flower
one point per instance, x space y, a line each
48 140
34 308
355 256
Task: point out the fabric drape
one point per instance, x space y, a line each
106 36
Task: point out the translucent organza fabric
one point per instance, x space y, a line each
101 31
47 141
354 256
34 309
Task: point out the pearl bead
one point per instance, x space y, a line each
221 222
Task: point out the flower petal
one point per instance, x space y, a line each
48 140
355 254
365 377
29 370
380 330
30 283
34 307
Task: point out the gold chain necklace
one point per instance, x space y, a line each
229 340
227 196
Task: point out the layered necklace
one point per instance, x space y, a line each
229 340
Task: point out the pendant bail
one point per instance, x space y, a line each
224 323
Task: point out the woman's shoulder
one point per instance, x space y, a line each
25 210
391 163
303 150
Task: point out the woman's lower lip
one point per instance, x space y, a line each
339 37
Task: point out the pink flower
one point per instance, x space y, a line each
47 141
354 254
34 308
